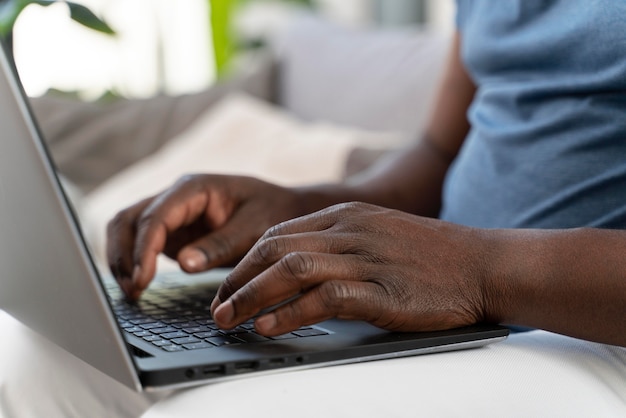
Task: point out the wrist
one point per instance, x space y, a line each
314 198
519 286
510 259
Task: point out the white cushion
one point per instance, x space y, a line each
374 79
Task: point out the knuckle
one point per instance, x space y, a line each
334 295
352 206
244 296
244 300
274 231
296 265
218 245
227 288
146 220
269 250
349 208
290 315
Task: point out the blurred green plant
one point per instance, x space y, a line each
226 43
11 9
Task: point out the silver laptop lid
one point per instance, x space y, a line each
47 279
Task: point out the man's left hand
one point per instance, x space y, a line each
360 262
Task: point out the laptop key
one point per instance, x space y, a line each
237 330
151 338
313 332
250 337
161 343
152 325
141 321
194 330
173 320
172 348
185 325
223 340
287 336
185 340
133 329
174 335
206 321
163 330
207 334
198 346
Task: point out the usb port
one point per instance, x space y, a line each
246 366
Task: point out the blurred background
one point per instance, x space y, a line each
161 46
132 94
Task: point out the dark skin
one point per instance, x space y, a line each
386 261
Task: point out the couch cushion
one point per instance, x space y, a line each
374 79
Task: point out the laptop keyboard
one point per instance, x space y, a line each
175 318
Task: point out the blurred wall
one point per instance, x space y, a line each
163 46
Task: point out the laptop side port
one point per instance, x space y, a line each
277 362
205 372
246 366
213 371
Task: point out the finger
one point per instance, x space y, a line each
272 246
120 243
292 275
269 251
223 246
332 299
317 221
165 215
324 219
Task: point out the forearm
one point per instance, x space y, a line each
571 282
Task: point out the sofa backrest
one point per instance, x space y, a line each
377 79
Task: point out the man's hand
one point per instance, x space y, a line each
203 221
362 262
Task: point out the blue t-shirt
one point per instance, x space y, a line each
547 148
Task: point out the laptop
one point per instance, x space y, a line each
50 282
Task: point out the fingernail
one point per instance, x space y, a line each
225 312
195 259
266 323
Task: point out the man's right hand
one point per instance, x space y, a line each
203 221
